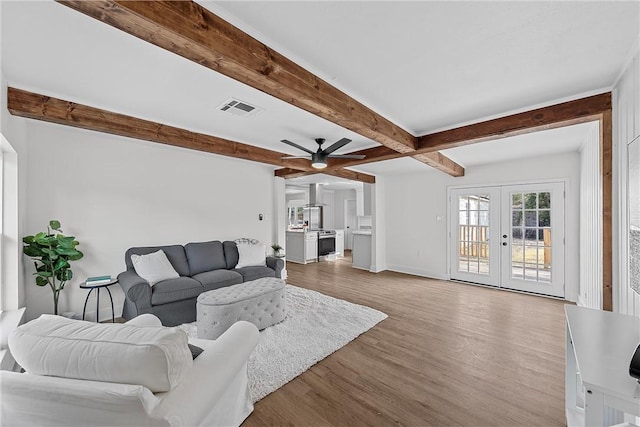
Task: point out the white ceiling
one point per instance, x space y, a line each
429 65
424 65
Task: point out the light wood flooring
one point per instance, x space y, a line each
448 354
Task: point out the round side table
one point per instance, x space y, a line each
97 287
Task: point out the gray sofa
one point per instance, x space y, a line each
202 267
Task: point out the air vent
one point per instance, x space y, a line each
239 108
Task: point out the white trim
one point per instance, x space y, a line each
567 293
566 180
417 272
11 253
620 200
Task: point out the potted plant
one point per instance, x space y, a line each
276 249
52 254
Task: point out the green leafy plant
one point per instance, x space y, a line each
276 249
52 254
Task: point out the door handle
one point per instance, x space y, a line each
504 243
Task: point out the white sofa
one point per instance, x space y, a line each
212 392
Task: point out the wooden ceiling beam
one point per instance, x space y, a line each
564 114
352 175
45 108
41 107
441 162
289 173
554 116
191 31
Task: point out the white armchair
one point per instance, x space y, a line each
213 392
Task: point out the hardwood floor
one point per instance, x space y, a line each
448 354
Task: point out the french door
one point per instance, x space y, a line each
509 236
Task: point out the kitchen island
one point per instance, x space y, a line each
361 251
302 246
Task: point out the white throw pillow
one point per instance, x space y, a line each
154 267
154 357
251 255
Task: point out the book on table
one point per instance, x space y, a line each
98 280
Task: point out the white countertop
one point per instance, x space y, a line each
362 232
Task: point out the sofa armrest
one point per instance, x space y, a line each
209 382
137 292
276 264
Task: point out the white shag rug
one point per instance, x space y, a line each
316 325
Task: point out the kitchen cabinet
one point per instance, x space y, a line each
340 243
295 246
310 246
361 251
302 247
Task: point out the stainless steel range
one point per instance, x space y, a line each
326 242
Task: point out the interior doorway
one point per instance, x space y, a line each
509 236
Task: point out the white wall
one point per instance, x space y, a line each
416 225
626 128
590 284
113 193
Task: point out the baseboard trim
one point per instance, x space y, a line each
417 272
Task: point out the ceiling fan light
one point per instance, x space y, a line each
319 160
318 164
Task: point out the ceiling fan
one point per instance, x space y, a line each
319 158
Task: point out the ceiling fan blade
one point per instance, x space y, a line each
299 147
348 156
337 145
295 157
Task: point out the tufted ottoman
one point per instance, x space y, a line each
260 302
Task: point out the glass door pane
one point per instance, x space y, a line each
531 236
475 215
534 218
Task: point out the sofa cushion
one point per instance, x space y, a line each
205 256
175 254
175 290
218 279
154 357
230 254
253 273
154 267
